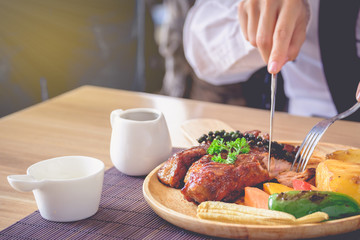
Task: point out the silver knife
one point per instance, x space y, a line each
272 109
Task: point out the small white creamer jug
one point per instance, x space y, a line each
66 188
140 140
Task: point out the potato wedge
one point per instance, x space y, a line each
339 176
350 155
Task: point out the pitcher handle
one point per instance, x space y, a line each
114 114
24 183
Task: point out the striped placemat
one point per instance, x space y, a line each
123 214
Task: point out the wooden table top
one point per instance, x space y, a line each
77 123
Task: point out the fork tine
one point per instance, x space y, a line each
306 148
299 151
296 157
320 134
309 150
313 148
312 140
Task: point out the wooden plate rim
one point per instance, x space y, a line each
172 216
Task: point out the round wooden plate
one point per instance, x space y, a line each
169 204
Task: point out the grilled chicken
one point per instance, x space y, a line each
201 179
287 177
208 180
172 173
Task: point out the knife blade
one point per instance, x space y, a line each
272 109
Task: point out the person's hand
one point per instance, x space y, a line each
276 27
358 93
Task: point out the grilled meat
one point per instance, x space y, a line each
223 182
207 180
172 173
196 166
277 165
287 177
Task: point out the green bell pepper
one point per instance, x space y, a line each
302 203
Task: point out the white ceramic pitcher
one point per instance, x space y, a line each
140 140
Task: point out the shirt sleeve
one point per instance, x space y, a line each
214 45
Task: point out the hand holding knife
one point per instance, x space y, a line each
272 109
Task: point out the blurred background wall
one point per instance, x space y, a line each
58 45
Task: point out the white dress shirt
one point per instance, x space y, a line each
219 54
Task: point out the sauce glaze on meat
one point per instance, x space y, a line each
172 173
223 182
201 179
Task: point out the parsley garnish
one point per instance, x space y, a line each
232 148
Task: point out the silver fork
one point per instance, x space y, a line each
312 138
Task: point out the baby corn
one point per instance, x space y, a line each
234 213
313 218
230 212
